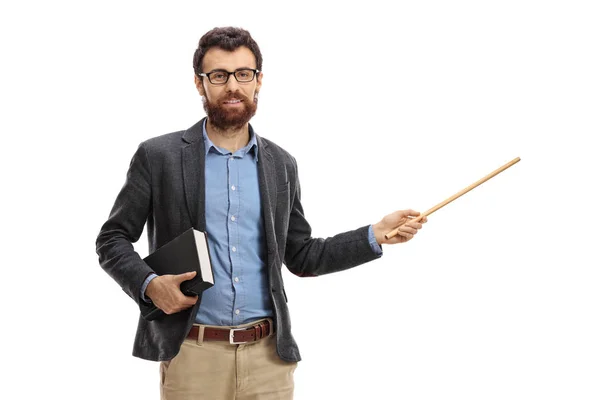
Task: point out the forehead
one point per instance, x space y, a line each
217 58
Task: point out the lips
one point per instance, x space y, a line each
232 101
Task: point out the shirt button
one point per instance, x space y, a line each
233 249
236 279
232 187
233 217
237 312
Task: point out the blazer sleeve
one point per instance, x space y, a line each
308 256
114 244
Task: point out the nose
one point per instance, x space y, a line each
232 84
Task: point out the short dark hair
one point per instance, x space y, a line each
227 38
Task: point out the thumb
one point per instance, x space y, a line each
409 213
187 276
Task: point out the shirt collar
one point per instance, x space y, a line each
252 145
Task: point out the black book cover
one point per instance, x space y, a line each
187 252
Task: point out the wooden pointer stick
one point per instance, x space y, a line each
393 233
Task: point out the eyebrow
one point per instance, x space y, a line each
223 69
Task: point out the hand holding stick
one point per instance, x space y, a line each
393 233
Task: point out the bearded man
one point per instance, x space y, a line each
234 341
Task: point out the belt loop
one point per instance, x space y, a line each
258 332
271 327
200 338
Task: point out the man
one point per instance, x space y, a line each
219 176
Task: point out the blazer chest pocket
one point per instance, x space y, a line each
283 197
285 187
282 212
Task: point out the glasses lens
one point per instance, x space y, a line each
244 75
218 77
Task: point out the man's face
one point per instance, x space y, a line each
229 106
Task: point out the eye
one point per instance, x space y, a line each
218 75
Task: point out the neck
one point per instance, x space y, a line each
231 139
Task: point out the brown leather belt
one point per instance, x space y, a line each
251 333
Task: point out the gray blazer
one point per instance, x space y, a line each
165 189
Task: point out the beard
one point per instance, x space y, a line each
225 118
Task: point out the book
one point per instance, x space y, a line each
186 253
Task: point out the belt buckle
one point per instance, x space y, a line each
231 332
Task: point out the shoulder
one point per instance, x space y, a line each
163 148
279 153
172 143
166 142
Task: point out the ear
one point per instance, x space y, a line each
199 85
259 81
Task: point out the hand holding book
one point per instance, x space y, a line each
185 270
165 292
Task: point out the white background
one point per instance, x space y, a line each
384 108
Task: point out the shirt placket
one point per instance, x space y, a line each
233 238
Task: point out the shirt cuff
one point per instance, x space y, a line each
145 285
373 242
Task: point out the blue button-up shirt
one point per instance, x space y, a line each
236 238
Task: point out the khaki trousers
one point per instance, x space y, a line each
217 370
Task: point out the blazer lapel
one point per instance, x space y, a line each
193 159
267 184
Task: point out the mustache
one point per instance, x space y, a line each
234 96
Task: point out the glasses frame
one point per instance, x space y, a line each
206 74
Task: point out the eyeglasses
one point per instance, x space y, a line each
220 76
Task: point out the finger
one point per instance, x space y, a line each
187 303
415 225
403 219
408 229
406 235
191 300
182 300
404 238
